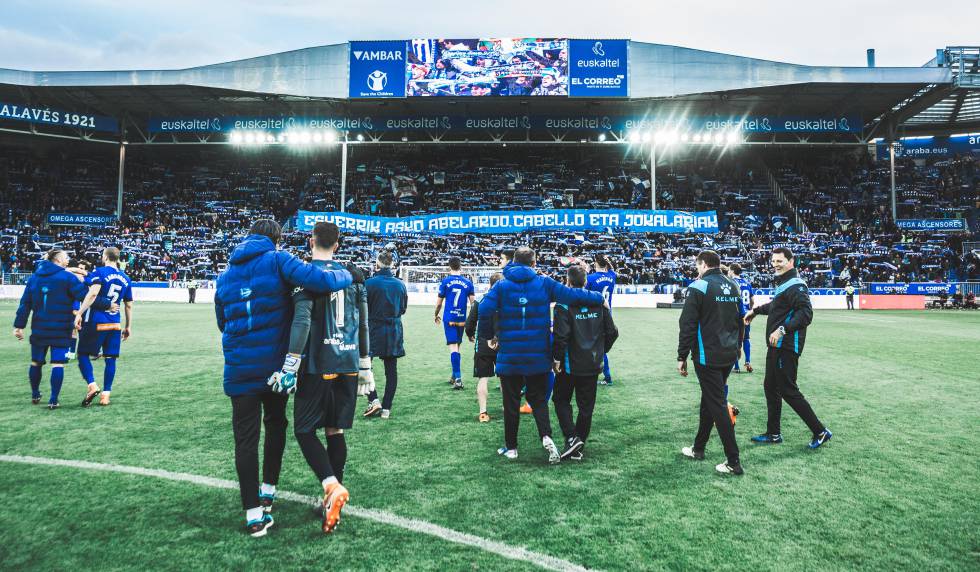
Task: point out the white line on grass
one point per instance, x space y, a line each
499 548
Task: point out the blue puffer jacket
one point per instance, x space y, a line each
522 302
50 295
254 310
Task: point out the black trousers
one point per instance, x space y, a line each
584 388
779 385
537 388
850 302
191 295
248 413
714 410
391 383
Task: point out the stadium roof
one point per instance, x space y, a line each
664 80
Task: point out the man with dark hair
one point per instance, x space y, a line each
252 307
48 299
711 331
484 356
329 336
109 281
582 336
457 292
748 300
387 302
603 280
521 303
506 256
789 314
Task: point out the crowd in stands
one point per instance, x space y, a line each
183 213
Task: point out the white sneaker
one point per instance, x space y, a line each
385 413
509 453
691 453
554 456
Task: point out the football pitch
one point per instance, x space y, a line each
898 487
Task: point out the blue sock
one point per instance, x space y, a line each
551 386
110 374
747 350
85 367
605 368
455 359
726 391
57 377
34 374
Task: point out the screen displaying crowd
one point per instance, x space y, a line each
482 67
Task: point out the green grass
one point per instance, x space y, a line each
897 488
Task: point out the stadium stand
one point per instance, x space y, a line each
185 212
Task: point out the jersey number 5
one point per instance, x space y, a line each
113 293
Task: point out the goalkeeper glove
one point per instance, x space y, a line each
284 380
365 377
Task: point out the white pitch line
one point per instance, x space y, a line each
421 526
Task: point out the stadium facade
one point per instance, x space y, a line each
659 87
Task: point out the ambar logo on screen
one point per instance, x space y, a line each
378 55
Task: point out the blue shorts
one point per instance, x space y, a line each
57 354
454 334
93 342
747 330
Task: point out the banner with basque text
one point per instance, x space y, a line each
507 222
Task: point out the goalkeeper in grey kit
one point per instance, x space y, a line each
327 366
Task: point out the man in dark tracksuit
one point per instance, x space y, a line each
484 356
711 331
387 302
789 314
582 337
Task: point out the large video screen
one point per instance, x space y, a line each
522 67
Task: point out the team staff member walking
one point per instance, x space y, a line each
711 331
387 302
521 302
583 337
789 314
253 308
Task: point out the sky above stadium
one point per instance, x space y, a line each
117 34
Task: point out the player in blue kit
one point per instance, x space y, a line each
108 333
456 292
748 301
603 280
47 301
82 269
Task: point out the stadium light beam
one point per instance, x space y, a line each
718 139
602 137
647 137
360 137
731 138
634 137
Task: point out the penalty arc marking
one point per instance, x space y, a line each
420 526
